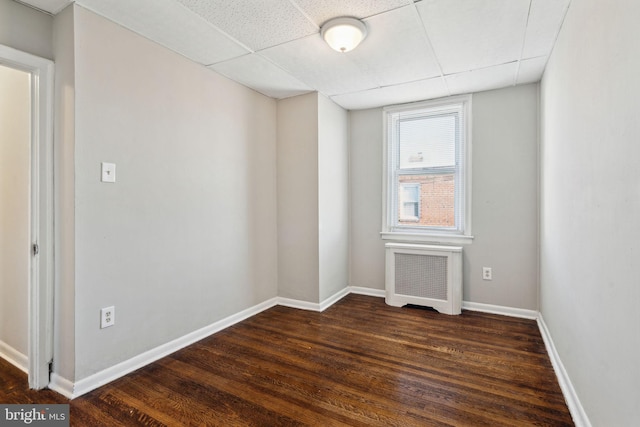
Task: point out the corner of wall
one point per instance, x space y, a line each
64 160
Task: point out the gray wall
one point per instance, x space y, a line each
366 251
26 29
15 192
590 206
333 197
313 203
298 247
187 234
64 195
504 199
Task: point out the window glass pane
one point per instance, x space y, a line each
427 200
427 142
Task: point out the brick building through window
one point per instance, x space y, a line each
427 200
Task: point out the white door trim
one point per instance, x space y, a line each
40 349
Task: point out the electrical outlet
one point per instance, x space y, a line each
486 273
107 317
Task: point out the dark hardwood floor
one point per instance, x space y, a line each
359 363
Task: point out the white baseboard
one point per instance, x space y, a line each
578 414
467 305
380 293
85 385
334 298
499 309
72 390
14 357
296 303
314 306
61 385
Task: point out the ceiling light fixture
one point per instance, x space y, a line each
343 34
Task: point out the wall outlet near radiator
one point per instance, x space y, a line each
486 273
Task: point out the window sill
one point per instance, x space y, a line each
456 239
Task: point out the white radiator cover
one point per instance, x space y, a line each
424 275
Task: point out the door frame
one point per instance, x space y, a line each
41 274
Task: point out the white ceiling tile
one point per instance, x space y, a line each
322 11
545 20
51 6
398 94
396 49
483 79
531 70
476 43
170 24
313 62
468 35
258 73
256 23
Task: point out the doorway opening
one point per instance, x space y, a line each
37 228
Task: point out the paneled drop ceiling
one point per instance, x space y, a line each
415 50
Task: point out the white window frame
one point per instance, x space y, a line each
391 230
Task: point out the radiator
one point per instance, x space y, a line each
424 275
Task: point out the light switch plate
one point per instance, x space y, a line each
108 172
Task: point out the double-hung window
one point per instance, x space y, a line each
427 171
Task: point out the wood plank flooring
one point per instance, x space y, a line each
359 363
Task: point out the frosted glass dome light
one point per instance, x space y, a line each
344 34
